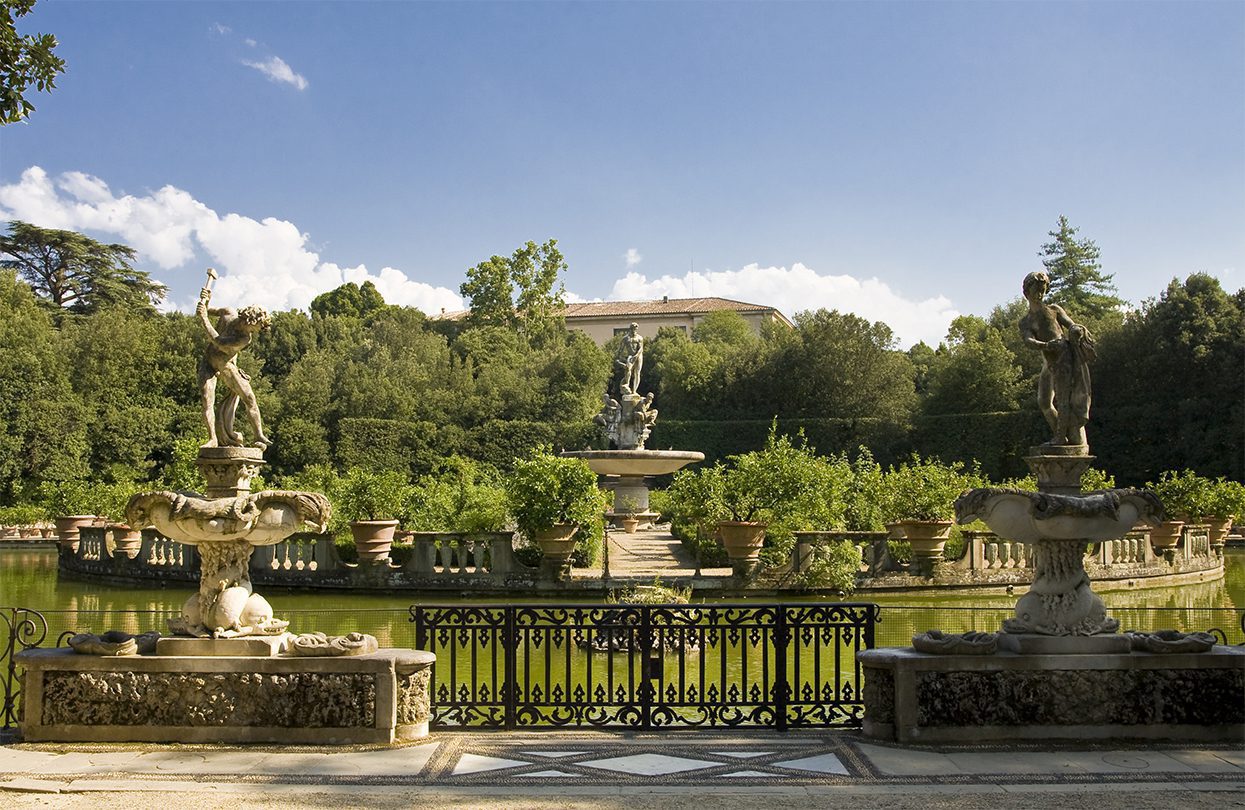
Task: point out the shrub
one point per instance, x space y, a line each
1227 499
655 594
367 495
926 490
544 490
461 495
832 565
1185 495
864 492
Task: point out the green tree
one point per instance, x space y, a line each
25 61
1169 386
840 365
1077 282
973 371
44 426
350 300
522 291
73 271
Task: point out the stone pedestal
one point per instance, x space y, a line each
913 697
229 470
1058 468
376 698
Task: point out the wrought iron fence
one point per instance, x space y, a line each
646 666
664 665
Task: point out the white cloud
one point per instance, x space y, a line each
266 262
250 43
799 288
219 30
278 71
632 257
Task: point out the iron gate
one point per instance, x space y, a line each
646 666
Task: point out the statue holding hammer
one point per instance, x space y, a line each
231 333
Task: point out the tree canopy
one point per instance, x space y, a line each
73 271
25 62
522 291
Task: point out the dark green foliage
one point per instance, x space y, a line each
25 62
972 372
388 444
73 271
1169 386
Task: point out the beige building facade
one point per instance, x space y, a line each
602 320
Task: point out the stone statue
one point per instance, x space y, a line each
231 333
631 358
1067 350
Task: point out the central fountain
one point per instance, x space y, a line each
1059 668
625 423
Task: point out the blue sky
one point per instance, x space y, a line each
900 160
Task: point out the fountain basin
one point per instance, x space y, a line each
630 467
636 462
1031 516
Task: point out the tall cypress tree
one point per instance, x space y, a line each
1077 282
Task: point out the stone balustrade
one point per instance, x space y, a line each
437 560
988 559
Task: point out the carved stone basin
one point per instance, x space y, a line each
636 462
262 519
1027 516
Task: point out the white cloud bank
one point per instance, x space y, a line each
265 262
632 258
798 288
276 69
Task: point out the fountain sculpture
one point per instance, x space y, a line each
625 423
1059 667
231 672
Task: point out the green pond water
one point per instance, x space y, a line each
28 578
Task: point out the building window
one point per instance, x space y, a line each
621 330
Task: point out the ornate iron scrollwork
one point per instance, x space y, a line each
647 666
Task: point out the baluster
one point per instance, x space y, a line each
443 565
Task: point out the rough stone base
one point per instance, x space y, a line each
377 698
913 697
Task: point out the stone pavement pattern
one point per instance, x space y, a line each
572 769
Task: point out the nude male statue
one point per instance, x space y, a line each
1067 350
231 333
631 358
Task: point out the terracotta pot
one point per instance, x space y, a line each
742 539
68 526
1165 536
373 539
558 541
630 525
928 538
1219 529
126 540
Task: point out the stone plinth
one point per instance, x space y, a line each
1058 468
229 470
242 647
913 697
377 698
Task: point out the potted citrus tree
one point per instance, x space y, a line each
371 501
920 497
1185 496
67 504
1227 502
550 497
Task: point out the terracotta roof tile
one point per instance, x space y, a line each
623 309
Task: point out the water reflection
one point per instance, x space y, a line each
28 578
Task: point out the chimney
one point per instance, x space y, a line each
665 299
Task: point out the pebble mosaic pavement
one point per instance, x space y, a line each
629 759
